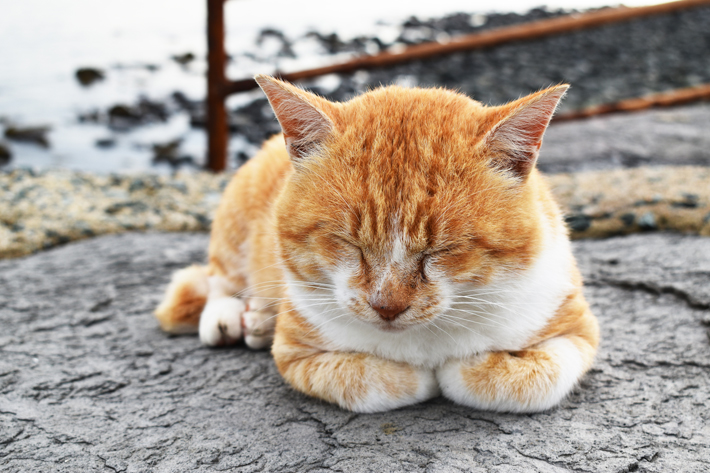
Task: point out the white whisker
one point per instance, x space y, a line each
476 315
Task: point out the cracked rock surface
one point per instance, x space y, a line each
89 383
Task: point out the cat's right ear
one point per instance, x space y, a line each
516 138
303 116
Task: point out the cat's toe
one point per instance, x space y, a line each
221 321
258 329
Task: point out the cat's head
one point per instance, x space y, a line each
402 196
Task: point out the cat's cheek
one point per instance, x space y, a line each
345 277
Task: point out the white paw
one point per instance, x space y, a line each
258 329
221 321
379 399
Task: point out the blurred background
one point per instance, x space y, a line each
117 85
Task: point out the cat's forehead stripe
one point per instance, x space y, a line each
398 254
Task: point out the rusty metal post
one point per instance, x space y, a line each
216 112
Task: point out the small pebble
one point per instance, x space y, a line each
647 221
628 219
578 222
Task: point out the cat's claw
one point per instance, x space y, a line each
221 321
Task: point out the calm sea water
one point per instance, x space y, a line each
43 42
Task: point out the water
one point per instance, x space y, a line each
45 41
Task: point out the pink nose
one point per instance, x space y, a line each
389 312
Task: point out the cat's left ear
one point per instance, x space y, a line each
305 118
516 137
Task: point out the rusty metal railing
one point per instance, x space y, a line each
664 99
219 87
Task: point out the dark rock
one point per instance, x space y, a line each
286 50
166 151
87 377
123 112
123 116
93 116
89 75
690 201
105 143
133 206
143 183
5 153
185 103
170 153
255 121
331 43
147 66
578 222
628 219
241 157
184 59
204 220
34 134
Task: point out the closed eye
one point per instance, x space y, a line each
430 258
350 246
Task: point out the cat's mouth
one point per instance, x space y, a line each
400 325
391 327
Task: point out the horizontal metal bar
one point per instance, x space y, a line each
665 99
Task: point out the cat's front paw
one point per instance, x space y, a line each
258 327
221 321
531 380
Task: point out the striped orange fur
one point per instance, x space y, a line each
397 246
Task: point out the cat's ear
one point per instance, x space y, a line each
303 116
516 137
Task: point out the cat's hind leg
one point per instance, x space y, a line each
197 302
185 297
534 379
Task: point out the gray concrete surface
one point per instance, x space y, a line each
89 383
664 136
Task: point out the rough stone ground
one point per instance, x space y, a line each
89 383
664 136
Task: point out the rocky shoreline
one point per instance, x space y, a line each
40 210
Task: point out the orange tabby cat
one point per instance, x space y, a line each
409 247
